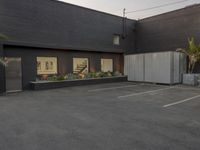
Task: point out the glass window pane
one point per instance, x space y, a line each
116 39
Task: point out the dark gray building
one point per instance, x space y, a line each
36 29
52 37
169 31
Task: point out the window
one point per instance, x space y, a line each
80 65
46 65
116 39
107 65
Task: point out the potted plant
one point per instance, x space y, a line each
193 54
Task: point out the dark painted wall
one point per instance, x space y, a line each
169 31
59 24
65 60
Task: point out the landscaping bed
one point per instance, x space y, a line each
43 85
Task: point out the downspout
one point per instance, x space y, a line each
124 24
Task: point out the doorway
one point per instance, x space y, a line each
13 71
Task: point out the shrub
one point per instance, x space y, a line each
91 75
109 74
71 76
52 78
117 73
193 54
3 37
105 74
60 78
100 74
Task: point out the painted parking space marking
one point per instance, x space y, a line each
182 101
112 88
142 93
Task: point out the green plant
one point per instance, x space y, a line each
56 78
109 74
193 54
72 76
52 78
60 78
91 75
116 73
3 61
104 74
3 37
100 74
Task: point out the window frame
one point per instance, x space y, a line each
116 43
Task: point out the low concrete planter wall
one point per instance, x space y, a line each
191 79
43 85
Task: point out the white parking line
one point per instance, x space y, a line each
147 92
112 88
182 101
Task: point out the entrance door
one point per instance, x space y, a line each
13 74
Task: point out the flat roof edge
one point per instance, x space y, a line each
173 11
98 11
55 47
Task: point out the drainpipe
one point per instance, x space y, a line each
2 71
124 24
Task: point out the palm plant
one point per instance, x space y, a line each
193 54
2 62
2 37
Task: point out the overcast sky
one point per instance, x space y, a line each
116 6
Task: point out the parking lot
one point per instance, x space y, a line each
116 116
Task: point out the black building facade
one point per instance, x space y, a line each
169 31
37 29
49 28
60 25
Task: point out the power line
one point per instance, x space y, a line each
150 8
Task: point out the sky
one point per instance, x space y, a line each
116 6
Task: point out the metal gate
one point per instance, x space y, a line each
13 71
